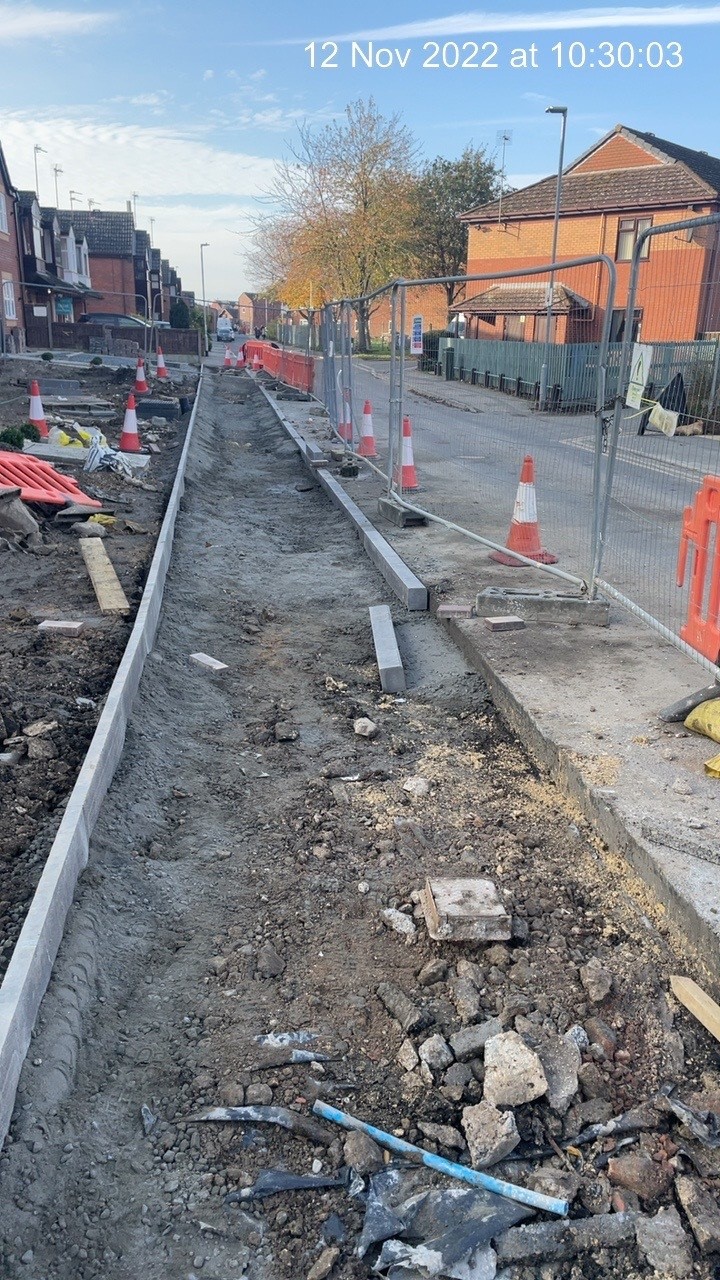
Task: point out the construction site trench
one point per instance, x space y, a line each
256 871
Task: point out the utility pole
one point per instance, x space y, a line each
204 245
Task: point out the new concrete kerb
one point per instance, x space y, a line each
407 587
32 960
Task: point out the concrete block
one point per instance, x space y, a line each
390 667
544 606
211 664
456 609
507 623
61 628
398 515
465 911
314 455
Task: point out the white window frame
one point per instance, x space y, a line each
3 214
9 307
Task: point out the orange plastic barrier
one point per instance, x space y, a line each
701 530
287 366
39 482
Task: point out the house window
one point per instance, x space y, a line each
9 300
617 325
3 214
628 231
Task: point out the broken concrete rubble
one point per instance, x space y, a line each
663 1243
513 1072
491 1134
702 1212
596 979
469 1042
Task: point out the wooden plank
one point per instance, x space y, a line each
110 595
698 1002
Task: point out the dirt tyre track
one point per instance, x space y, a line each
235 885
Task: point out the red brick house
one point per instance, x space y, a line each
628 180
110 236
12 323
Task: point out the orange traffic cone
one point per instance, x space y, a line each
161 371
256 362
405 474
37 414
227 362
367 447
345 425
524 535
130 440
141 387
240 362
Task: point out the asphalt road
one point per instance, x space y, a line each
469 453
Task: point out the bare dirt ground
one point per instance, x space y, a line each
59 681
237 879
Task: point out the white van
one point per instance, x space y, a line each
225 331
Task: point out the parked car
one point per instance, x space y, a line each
113 318
225 331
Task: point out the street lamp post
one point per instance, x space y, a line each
204 245
36 151
553 111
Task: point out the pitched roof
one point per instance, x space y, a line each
521 298
109 233
26 199
142 242
680 177
5 174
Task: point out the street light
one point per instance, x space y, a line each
74 195
553 111
204 245
57 171
36 151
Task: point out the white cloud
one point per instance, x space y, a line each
208 75
28 22
258 75
476 22
109 161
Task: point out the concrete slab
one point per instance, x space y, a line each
392 674
76 457
57 626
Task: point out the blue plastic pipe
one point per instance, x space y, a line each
534 1199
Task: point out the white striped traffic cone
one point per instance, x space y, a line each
524 535
161 371
227 362
130 439
367 447
345 425
256 363
141 387
240 362
405 474
37 414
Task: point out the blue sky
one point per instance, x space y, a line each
189 105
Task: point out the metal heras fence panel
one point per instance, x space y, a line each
487 458
665 447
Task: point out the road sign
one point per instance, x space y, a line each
416 340
639 374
